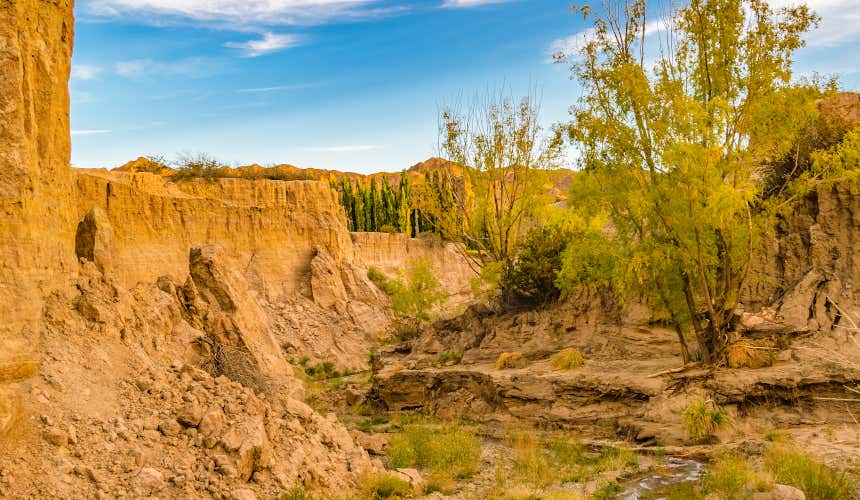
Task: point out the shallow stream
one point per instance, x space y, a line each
678 471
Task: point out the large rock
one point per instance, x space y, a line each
326 283
94 239
235 320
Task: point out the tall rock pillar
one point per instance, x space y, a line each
36 222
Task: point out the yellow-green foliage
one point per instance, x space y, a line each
542 462
415 292
608 491
384 487
728 476
793 467
446 450
702 418
510 360
567 359
778 436
450 357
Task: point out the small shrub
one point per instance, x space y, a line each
322 371
567 359
750 354
608 491
778 436
703 418
529 279
384 487
727 476
683 491
612 458
531 462
449 451
450 357
235 363
414 293
792 467
509 360
445 485
199 166
406 328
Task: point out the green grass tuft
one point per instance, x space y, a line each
384 487
448 450
793 467
703 418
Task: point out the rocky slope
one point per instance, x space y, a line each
147 325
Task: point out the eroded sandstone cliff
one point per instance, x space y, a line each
146 325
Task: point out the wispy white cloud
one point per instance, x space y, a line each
839 21
277 88
343 149
460 4
233 13
271 42
192 67
85 72
571 47
90 132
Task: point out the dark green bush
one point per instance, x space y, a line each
530 278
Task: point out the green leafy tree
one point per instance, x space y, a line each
670 153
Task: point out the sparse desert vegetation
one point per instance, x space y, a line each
653 296
702 418
567 359
510 360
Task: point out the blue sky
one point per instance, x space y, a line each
346 84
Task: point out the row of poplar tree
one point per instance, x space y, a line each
410 206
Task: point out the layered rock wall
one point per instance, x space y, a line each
36 239
269 229
809 268
391 253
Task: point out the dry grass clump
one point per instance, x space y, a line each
384 487
567 359
791 466
235 363
702 418
508 360
448 451
540 462
730 476
750 354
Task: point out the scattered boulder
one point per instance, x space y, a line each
375 444
413 477
170 428
190 414
149 479
56 436
780 492
211 422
